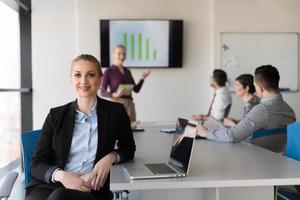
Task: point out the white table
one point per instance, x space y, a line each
218 170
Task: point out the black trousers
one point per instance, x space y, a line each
52 192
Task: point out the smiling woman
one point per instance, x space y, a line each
79 138
86 75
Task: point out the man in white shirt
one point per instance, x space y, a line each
221 101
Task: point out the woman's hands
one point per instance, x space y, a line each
72 180
146 74
119 93
229 122
101 171
201 131
97 179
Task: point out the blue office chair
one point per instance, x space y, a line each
271 139
292 151
7 185
29 143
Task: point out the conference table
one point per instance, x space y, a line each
218 171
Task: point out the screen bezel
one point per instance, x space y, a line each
172 161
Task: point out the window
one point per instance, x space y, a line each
10 110
15 80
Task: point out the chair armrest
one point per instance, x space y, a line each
7 184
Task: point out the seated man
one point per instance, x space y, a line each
221 99
272 112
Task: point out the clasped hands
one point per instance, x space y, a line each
72 180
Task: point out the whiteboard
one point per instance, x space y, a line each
243 52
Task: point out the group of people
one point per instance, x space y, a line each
79 137
264 106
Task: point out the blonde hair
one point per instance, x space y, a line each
119 46
90 58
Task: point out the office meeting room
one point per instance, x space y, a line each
149 100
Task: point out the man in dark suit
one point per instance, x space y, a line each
78 138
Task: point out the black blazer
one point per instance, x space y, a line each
56 136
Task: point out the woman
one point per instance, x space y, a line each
117 74
245 89
79 138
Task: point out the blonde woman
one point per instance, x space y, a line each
79 138
118 74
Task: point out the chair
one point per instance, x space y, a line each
271 139
292 151
7 185
293 141
120 195
29 143
227 111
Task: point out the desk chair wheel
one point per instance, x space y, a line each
120 195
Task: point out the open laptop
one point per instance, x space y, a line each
179 160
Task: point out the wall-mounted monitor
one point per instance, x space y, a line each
149 43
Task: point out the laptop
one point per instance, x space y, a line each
180 124
179 160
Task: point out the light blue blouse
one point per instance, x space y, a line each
84 143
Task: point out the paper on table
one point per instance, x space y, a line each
168 130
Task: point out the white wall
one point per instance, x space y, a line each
257 16
167 93
61 29
53 47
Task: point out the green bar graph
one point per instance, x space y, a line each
154 54
147 49
125 40
131 38
140 45
132 45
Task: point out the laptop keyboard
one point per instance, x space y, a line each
160 168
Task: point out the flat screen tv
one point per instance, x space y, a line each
149 43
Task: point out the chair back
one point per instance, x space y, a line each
292 151
29 143
271 139
227 111
7 184
293 141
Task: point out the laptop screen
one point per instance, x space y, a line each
182 145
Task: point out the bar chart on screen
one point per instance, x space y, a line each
143 47
146 43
